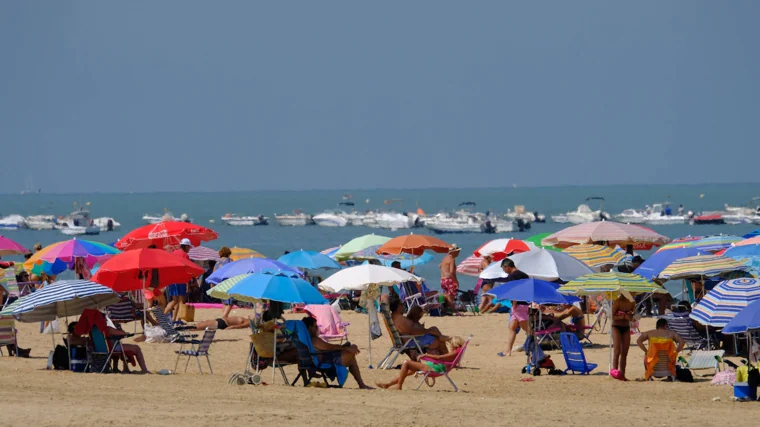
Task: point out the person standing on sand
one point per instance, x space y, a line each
449 281
178 292
224 259
622 315
518 317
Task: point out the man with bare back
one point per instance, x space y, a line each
449 281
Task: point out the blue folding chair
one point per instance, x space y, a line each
309 365
574 356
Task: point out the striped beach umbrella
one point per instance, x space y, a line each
202 253
499 249
62 299
595 255
242 253
700 266
725 300
707 244
220 291
749 241
470 266
611 282
330 251
613 233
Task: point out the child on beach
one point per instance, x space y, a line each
433 363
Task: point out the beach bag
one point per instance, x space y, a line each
52 328
724 378
60 358
263 343
187 312
155 334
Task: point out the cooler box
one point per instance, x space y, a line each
744 391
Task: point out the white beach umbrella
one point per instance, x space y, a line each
541 264
360 277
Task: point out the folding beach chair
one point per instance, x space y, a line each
399 345
549 335
13 289
123 312
7 333
165 322
101 350
450 366
310 366
574 356
684 327
415 294
331 327
705 359
198 349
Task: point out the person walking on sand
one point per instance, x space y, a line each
449 281
178 292
622 316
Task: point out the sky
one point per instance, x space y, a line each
181 95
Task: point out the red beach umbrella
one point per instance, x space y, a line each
165 233
145 268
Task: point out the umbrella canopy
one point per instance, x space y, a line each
276 287
706 244
415 244
610 282
661 259
250 266
9 247
220 291
56 258
202 253
746 251
536 240
531 290
755 233
750 241
308 260
361 276
748 319
331 251
241 253
145 268
700 266
725 301
595 255
542 264
359 243
501 248
63 298
470 266
406 260
614 233
167 233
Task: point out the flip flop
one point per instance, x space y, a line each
501 354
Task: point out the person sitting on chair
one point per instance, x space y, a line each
344 355
660 344
410 367
432 338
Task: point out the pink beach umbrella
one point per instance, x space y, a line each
202 253
9 247
610 232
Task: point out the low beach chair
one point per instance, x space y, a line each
400 343
310 366
7 333
123 312
450 366
13 289
198 349
660 360
101 350
574 356
705 359
549 335
415 294
684 327
331 327
165 322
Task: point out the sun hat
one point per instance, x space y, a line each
454 248
185 242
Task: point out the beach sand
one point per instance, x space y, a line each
491 391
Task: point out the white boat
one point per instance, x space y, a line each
155 219
106 224
459 224
560 219
355 218
630 216
40 222
370 220
396 221
736 215
237 220
659 216
68 228
495 225
583 214
12 222
296 219
330 219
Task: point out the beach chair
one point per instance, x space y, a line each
450 366
165 322
660 360
198 349
415 294
7 333
684 327
101 350
705 359
400 343
549 335
574 356
331 327
123 312
310 366
13 289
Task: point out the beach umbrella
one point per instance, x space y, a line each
738 252
610 232
610 283
755 233
359 243
747 242
360 277
415 244
499 249
60 256
747 320
62 299
470 266
219 291
706 244
658 261
406 260
536 240
9 247
250 266
700 266
145 268
331 251
595 255
531 291
167 233
202 253
275 287
241 253
725 301
308 260
541 264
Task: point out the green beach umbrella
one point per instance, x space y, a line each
610 283
220 291
536 240
358 244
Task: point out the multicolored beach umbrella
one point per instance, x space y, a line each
220 291
56 258
700 266
707 244
536 240
611 282
725 301
595 255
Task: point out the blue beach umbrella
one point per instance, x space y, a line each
63 298
531 290
308 260
725 301
249 266
276 287
746 251
752 234
662 259
746 320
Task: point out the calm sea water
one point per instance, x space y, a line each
273 240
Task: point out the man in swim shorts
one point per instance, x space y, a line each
449 281
430 338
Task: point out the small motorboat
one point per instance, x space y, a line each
706 218
331 219
12 222
661 215
68 228
40 222
106 224
442 223
396 221
296 219
242 221
167 216
630 216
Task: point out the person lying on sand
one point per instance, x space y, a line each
344 355
410 367
432 338
230 322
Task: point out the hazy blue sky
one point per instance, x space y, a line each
245 95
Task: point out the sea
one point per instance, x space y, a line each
273 240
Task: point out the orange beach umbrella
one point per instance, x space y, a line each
415 244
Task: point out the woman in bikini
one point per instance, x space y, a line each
622 315
410 367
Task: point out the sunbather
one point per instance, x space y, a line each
230 322
432 338
344 355
487 304
410 367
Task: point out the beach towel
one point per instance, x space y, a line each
657 346
374 322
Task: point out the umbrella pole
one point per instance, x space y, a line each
609 316
369 337
145 306
707 330
274 356
68 345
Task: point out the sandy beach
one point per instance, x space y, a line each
492 393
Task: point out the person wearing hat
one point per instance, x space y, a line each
177 293
449 281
